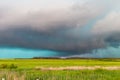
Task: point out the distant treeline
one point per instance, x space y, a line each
49 58
69 58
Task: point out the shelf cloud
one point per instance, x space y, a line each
71 27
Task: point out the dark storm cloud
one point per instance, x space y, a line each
51 40
71 31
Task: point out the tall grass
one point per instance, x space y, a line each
60 75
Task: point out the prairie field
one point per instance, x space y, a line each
60 69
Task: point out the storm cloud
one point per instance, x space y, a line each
76 28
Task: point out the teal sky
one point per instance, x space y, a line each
7 52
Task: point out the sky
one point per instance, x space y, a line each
59 28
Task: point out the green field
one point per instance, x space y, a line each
26 69
32 63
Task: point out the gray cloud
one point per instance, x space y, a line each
76 30
109 24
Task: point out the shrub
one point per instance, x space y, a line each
12 66
3 66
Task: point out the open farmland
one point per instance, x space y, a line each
32 63
60 69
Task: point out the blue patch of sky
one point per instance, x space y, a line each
8 52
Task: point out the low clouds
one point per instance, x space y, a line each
73 30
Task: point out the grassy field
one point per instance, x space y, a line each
32 63
25 69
